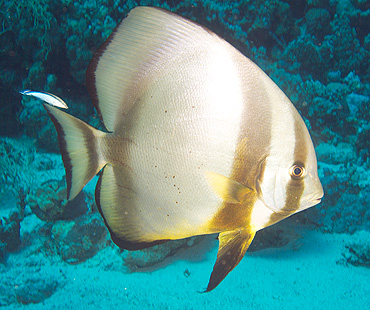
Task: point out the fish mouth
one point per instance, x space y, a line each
317 200
312 202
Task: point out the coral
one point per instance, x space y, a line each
357 253
10 233
275 236
36 121
48 202
273 23
154 255
318 23
34 13
15 161
318 52
334 76
347 53
315 3
79 56
34 179
78 240
35 290
341 103
357 103
275 26
363 143
345 205
304 53
7 293
341 153
10 228
37 124
28 31
367 42
2 255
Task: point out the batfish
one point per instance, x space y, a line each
199 140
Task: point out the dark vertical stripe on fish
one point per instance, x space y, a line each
63 150
90 76
295 187
91 147
248 168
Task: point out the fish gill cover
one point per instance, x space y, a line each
318 52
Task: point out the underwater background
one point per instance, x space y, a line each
56 254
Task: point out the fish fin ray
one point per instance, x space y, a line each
145 43
227 189
115 200
78 147
232 247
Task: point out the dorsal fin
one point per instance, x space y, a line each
130 60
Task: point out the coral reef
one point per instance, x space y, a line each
357 253
33 183
78 240
49 202
346 182
318 52
10 234
35 290
37 281
151 256
311 38
276 236
20 162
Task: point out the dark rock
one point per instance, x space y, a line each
79 240
363 144
334 76
49 202
7 292
2 252
342 153
305 54
156 254
10 232
357 253
318 23
35 290
275 236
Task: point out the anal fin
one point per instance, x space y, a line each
232 247
116 203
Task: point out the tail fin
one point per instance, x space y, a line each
79 146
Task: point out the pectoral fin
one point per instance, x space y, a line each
232 247
227 189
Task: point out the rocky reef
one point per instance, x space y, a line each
318 52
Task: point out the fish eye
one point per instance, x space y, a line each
297 171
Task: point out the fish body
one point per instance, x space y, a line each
199 140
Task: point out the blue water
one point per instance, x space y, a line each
55 255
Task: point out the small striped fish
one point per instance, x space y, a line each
199 140
47 97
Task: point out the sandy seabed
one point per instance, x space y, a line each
312 274
309 273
